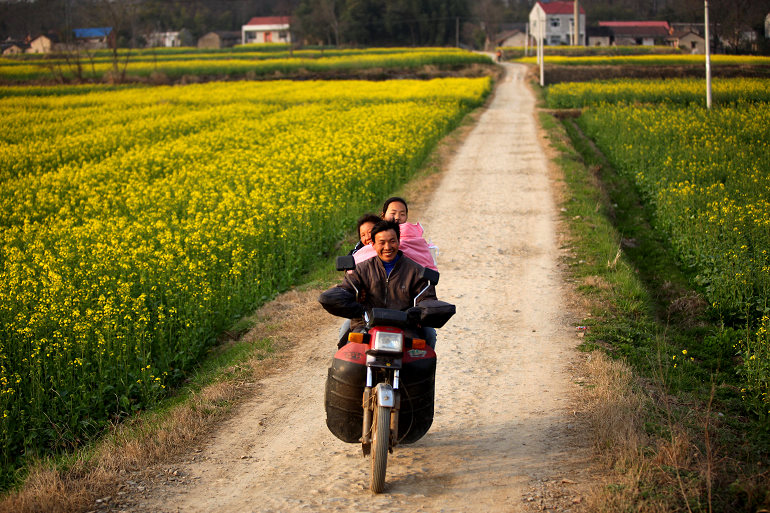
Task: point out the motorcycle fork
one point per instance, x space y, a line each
394 421
366 431
369 404
366 428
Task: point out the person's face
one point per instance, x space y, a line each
364 233
396 212
386 245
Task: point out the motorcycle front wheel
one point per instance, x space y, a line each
380 441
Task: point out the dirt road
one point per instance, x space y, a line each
504 436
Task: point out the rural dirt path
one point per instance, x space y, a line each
504 438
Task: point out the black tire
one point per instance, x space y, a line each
380 441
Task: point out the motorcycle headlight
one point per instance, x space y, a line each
391 342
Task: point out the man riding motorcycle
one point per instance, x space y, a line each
392 280
380 387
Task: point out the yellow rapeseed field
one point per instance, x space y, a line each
247 59
671 91
137 223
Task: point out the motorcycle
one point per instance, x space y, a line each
380 387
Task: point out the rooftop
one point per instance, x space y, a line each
92 32
560 7
269 20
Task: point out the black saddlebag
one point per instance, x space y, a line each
345 385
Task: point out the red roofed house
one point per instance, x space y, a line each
267 29
556 20
645 33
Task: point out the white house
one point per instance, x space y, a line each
689 41
267 29
170 39
556 21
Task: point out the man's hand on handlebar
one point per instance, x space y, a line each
413 315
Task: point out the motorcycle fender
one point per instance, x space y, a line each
385 395
383 362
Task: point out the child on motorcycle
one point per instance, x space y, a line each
364 226
390 279
413 243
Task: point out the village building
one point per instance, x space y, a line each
267 29
633 33
171 39
10 47
599 36
44 43
510 38
219 39
689 41
556 21
95 38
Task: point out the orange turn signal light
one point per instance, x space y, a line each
418 343
356 337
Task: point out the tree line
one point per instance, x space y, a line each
349 22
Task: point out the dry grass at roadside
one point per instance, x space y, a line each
614 402
616 427
153 438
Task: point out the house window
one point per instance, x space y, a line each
555 22
555 40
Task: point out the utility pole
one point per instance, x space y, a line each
457 32
576 24
541 49
708 53
68 22
526 41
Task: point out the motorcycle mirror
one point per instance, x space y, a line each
430 275
346 263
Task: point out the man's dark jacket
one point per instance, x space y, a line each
377 289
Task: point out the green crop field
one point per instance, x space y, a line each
705 174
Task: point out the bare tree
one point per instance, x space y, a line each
734 19
121 16
327 14
490 13
319 20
